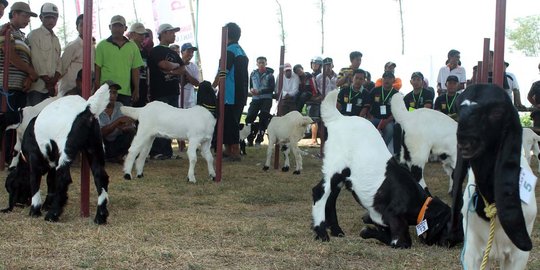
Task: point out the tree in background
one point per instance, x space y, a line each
280 21
322 8
402 28
526 36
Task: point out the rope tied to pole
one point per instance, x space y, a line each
491 212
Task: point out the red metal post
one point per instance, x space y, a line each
182 143
486 59
86 86
498 56
5 86
221 106
280 88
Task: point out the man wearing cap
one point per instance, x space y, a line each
316 66
419 97
3 5
119 59
261 86
191 79
166 68
351 98
117 129
446 103
21 72
452 67
345 75
136 34
289 91
390 67
45 49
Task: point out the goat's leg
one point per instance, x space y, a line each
63 179
286 149
134 150
517 260
297 157
141 159
35 183
536 152
51 188
377 232
448 167
192 156
331 213
399 229
14 160
320 194
207 154
101 181
269 150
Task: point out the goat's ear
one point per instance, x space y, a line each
506 186
458 177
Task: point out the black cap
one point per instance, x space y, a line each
452 78
327 61
389 64
4 2
389 74
111 84
417 74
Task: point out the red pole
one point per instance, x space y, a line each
498 56
181 143
221 106
280 88
5 85
485 62
86 86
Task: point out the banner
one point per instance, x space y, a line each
95 8
178 14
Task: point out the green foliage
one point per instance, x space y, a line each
526 36
525 120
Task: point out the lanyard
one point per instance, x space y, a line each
415 103
350 91
382 94
452 103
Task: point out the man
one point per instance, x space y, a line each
136 34
419 97
345 74
3 5
377 108
446 103
306 88
21 72
45 49
119 60
262 84
511 87
289 91
350 99
390 67
236 91
166 68
534 98
191 78
316 66
452 67
72 60
117 129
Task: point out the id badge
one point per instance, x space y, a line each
349 107
383 109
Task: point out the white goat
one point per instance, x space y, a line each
287 131
425 132
530 142
158 119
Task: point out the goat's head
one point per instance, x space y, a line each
489 137
438 217
206 97
18 184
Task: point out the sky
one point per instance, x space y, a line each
372 27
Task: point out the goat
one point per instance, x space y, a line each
287 130
51 142
246 131
530 142
425 132
489 150
195 124
378 182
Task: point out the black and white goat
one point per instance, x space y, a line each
158 119
246 131
489 151
287 131
530 142
355 156
51 142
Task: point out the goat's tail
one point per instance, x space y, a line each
329 112
99 100
399 111
131 112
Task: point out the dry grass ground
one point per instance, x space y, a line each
251 220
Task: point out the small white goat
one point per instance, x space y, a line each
530 142
287 131
425 132
158 119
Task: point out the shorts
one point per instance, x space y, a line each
314 111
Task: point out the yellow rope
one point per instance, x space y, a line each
491 211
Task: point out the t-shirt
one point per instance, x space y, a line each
535 91
447 104
445 71
105 120
351 101
379 102
161 82
413 101
22 49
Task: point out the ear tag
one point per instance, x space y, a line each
422 227
527 184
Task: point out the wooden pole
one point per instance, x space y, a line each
86 86
498 51
221 102
280 88
5 86
485 62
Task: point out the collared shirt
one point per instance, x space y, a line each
72 62
22 49
445 71
330 83
45 49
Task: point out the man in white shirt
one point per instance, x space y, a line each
452 67
289 90
331 77
72 60
191 79
45 50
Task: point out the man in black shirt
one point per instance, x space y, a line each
447 103
351 98
419 97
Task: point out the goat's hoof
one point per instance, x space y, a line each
35 212
52 217
322 235
285 169
265 168
140 175
337 232
101 218
296 172
397 244
7 210
127 176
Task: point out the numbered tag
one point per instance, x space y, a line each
349 107
422 227
527 182
383 109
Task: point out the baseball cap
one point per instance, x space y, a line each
327 61
118 19
4 2
389 64
24 7
112 83
287 66
388 74
137 28
187 46
453 78
167 27
49 9
417 74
